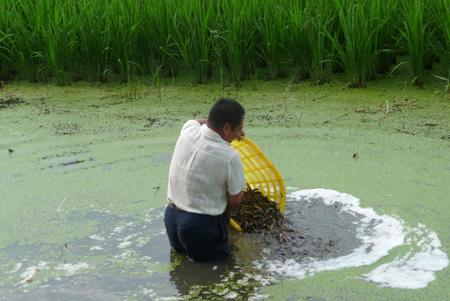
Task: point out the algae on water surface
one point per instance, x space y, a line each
89 165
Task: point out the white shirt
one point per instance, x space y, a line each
204 167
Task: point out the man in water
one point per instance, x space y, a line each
205 176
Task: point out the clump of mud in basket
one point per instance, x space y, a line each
258 214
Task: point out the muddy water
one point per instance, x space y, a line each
83 179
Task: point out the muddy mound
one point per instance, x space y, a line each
9 100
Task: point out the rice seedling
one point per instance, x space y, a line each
5 54
122 23
98 40
54 32
358 51
319 33
414 33
238 19
7 40
94 55
273 30
387 52
440 11
24 22
158 41
445 80
217 51
59 37
297 45
195 44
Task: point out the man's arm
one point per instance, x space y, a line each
235 200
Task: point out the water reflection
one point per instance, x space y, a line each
232 278
187 274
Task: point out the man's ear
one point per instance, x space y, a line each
227 127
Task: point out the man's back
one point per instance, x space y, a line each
203 169
205 176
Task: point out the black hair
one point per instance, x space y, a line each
226 110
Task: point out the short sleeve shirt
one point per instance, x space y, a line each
203 169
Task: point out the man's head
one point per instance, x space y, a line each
226 117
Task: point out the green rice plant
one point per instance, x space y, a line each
238 19
4 46
7 41
387 55
445 80
319 32
46 39
360 24
123 19
57 39
100 40
440 10
273 30
6 58
218 41
158 42
25 22
298 48
93 55
414 33
193 34
60 41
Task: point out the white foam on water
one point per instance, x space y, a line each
16 269
96 237
161 233
28 275
141 241
125 244
170 298
126 254
415 269
72 268
30 272
378 234
96 248
377 240
119 229
291 188
257 297
153 214
149 292
130 237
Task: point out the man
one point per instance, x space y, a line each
205 176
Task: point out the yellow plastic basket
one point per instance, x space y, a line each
260 173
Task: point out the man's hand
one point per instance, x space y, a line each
235 200
202 121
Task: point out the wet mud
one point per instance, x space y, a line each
10 100
322 232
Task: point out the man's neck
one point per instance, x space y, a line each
212 128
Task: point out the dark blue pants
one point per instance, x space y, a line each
202 237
